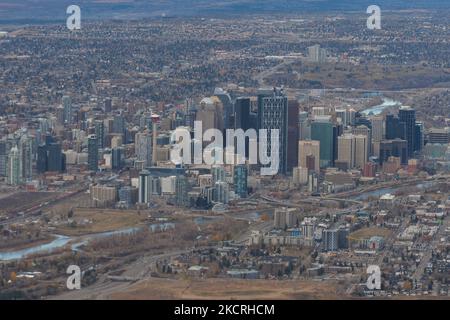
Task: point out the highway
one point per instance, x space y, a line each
136 271
358 204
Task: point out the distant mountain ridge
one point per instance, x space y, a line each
29 11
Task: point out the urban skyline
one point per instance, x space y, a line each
315 154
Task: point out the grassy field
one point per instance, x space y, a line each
370 232
230 289
91 220
371 77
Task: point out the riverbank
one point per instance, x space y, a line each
75 242
24 246
87 221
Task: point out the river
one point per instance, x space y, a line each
378 109
76 242
380 192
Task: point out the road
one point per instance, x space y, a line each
261 76
138 270
417 276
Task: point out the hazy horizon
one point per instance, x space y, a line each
28 11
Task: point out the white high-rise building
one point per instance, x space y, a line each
300 176
67 105
218 173
317 54
221 193
168 185
319 111
351 116
13 176
44 125
342 114
309 227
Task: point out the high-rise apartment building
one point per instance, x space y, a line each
13 176
218 173
221 192
181 192
317 54
240 180
284 218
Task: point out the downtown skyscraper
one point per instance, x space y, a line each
407 115
50 158
26 157
273 114
143 147
67 111
4 150
92 152
325 133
